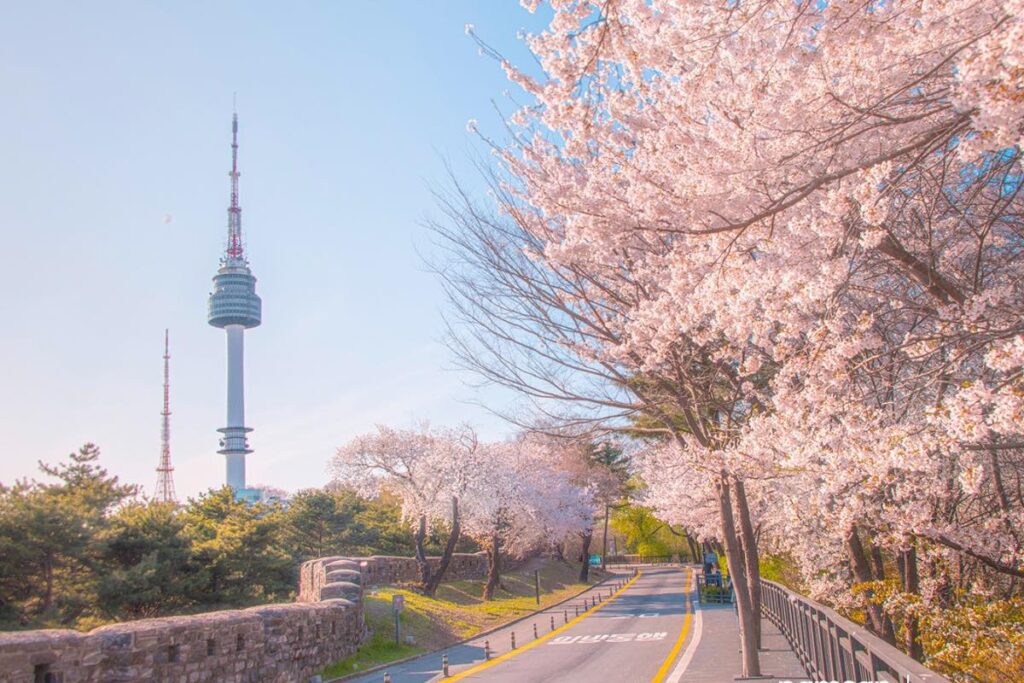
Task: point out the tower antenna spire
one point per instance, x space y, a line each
235 251
164 481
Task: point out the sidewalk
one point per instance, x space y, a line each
717 657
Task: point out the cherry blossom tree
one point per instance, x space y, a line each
789 235
518 500
511 497
558 333
588 472
426 469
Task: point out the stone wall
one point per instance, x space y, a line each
331 577
275 643
272 643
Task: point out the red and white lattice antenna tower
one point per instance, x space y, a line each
164 481
235 251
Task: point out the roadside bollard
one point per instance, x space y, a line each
513 640
444 665
576 609
565 616
552 622
535 631
487 650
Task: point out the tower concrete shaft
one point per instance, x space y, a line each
234 307
235 443
164 479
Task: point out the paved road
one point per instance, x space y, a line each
634 637
628 639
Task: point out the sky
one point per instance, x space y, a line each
113 198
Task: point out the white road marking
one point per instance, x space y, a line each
652 636
608 637
691 648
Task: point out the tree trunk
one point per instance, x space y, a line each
750 554
911 642
449 549
421 555
877 564
694 551
739 546
585 556
559 552
493 567
862 574
48 594
888 631
604 541
737 573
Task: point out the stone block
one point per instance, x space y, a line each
352 576
341 589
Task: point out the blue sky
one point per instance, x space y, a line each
117 114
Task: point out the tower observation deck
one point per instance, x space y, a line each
235 307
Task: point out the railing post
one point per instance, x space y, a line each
836 652
802 614
846 645
820 647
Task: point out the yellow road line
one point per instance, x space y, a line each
534 643
667 664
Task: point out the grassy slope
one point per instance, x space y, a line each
455 613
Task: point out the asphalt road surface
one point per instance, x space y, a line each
635 636
627 639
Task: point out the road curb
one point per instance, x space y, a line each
398 662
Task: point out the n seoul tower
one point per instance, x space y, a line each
234 307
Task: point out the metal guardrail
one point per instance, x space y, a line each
638 559
834 648
714 590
